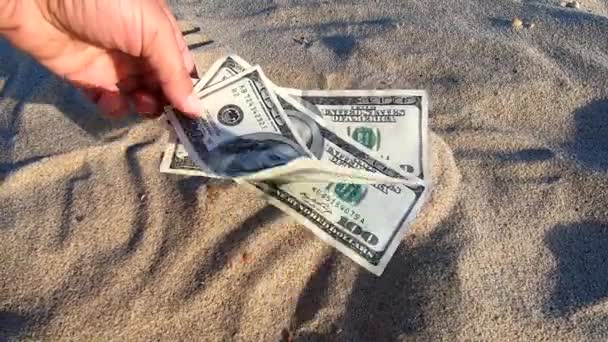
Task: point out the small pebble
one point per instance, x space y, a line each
302 41
530 25
573 4
516 23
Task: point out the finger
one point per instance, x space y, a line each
113 105
105 70
146 104
91 92
162 53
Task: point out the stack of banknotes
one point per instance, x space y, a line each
350 165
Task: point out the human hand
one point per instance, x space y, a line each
122 53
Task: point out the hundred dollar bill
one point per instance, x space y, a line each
229 67
365 222
391 122
377 119
242 130
222 69
346 215
244 134
342 213
304 122
329 136
388 121
176 160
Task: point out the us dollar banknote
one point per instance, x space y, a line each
323 141
246 134
349 216
221 70
366 222
176 160
391 122
380 120
242 131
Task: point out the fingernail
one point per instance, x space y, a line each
193 105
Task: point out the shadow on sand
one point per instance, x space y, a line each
590 143
12 325
581 277
399 303
26 81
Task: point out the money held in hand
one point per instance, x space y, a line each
351 166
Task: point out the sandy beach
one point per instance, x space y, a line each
97 244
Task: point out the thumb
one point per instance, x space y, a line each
161 51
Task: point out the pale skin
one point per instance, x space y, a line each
124 54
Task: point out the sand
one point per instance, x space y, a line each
96 244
